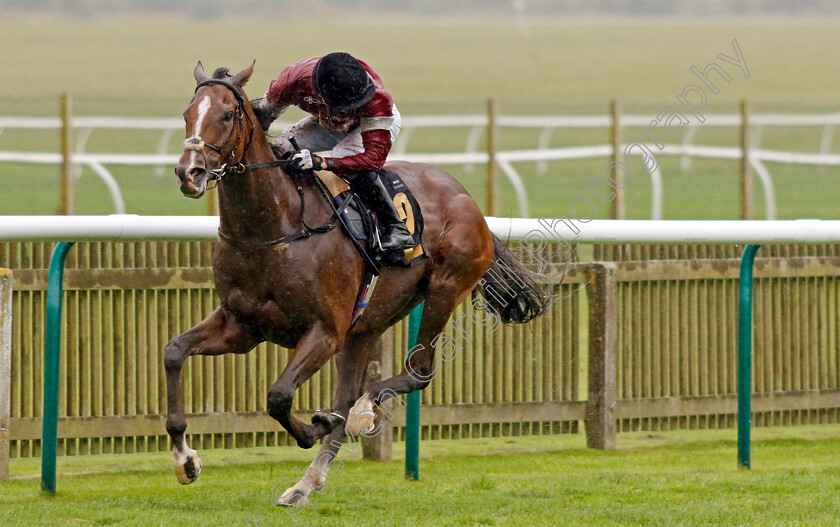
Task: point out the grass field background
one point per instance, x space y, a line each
665 479
143 67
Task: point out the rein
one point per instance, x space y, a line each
306 232
237 167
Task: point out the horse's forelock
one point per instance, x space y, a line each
221 73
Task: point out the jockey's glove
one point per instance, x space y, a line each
305 160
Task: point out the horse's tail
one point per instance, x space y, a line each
510 289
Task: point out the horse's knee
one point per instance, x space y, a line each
420 375
279 401
176 425
418 383
174 353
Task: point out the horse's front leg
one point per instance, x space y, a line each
218 333
351 364
316 347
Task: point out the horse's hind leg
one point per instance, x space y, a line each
462 260
218 333
351 364
417 370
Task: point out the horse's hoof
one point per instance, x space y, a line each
189 471
363 424
320 418
295 498
329 421
322 424
336 420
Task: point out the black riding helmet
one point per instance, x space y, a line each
342 81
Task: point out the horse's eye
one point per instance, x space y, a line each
227 116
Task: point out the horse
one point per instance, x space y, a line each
281 281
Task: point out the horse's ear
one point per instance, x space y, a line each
198 73
241 78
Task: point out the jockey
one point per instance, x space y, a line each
353 117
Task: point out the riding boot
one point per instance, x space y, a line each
373 192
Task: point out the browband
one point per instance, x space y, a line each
239 97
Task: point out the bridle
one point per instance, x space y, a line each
232 165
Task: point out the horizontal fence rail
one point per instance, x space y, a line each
757 158
505 159
129 227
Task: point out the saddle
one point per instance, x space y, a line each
360 223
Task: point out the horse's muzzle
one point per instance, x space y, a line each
192 180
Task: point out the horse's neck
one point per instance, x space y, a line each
261 204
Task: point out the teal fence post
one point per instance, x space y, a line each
52 360
412 412
745 286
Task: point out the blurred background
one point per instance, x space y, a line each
443 61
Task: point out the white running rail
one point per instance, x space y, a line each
132 228
471 156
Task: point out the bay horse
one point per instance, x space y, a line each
299 291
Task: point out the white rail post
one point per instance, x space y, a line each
825 141
5 369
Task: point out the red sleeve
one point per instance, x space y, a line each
293 82
377 144
277 87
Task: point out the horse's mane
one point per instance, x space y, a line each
262 113
276 150
221 73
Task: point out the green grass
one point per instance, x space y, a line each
143 66
661 478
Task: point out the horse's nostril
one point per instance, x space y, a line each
187 173
196 172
